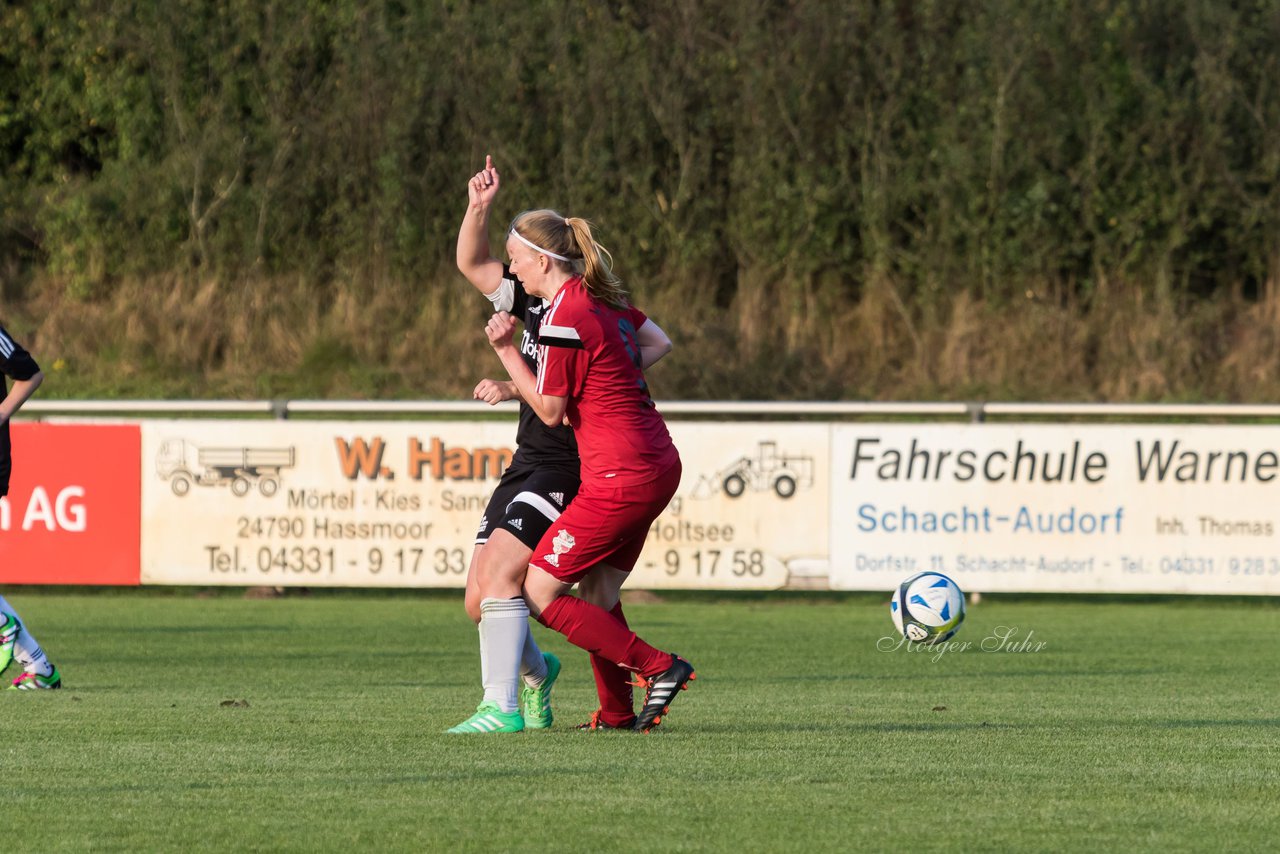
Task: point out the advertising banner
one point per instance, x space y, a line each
751 507
1151 508
397 504
71 516
342 504
1070 508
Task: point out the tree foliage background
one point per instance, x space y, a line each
1026 199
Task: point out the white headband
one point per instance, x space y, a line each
536 248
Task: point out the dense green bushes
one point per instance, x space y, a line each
775 164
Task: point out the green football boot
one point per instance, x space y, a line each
8 634
535 703
36 682
489 717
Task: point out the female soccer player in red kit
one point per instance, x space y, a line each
538 484
589 371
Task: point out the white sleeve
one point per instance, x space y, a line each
503 296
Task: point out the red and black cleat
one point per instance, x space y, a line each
660 690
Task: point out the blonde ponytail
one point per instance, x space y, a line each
571 239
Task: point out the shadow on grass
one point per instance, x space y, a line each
1210 724
967 676
845 727
195 630
842 728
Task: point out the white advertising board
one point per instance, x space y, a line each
358 504
752 504
397 504
1058 508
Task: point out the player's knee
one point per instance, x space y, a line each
499 577
597 595
541 589
471 602
602 587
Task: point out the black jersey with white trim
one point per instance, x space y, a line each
14 361
17 363
537 444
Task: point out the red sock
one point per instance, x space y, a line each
613 685
597 631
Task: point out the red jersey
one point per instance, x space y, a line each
590 356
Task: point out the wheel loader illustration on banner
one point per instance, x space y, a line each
766 470
182 464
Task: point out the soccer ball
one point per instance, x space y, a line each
927 608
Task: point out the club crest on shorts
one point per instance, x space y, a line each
561 544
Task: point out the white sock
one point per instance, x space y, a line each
484 654
504 625
533 667
25 649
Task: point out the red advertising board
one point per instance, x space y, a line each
73 511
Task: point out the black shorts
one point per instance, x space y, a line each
526 502
5 460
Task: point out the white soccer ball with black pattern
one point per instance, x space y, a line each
927 608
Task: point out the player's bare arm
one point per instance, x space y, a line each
654 344
474 258
19 394
500 330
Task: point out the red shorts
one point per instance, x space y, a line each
604 525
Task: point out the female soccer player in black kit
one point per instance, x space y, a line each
15 641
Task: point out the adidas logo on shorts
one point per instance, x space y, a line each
518 524
557 497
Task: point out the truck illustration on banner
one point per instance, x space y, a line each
182 464
766 470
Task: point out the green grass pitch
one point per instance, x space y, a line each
316 724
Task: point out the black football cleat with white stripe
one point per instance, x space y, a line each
661 690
